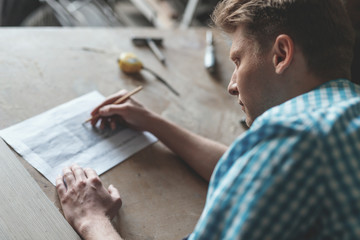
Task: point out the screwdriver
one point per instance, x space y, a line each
209 58
130 63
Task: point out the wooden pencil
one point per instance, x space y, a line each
120 100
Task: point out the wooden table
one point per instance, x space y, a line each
41 68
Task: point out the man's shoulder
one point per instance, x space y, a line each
332 105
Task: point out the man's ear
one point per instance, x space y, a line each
283 53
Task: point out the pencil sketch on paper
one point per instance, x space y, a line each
57 138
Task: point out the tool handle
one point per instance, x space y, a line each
209 57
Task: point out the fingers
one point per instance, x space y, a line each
90 173
103 123
109 100
93 178
69 177
112 124
60 186
119 112
111 115
112 109
98 115
78 173
114 121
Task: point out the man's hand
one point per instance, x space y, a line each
87 204
131 112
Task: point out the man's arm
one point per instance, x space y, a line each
200 153
87 205
99 228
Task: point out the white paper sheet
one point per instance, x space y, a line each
57 138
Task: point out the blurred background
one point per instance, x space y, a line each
162 14
125 13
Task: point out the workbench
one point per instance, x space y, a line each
41 68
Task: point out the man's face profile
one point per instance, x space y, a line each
251 79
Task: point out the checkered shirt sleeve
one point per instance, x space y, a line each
294 175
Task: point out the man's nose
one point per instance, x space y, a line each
232 88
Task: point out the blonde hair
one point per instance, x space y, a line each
321 28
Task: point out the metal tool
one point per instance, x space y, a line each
152 43
130 64
209 58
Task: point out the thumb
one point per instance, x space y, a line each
116 202
115 195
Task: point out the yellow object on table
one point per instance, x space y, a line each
129 63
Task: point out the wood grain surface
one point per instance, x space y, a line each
25 211
44 67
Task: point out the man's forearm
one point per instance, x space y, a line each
200 153
98 228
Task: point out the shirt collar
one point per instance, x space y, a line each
325 95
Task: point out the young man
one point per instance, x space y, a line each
295 174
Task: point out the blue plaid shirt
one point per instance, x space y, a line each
295 174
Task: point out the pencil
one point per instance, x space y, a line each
120 100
